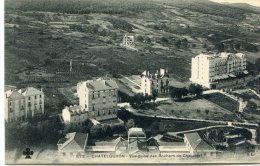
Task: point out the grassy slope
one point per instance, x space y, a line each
36 38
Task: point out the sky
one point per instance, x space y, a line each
251 2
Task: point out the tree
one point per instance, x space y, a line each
257 138
140 38
106 131
178 93
123 114
251 106
164 40
237 46
220 47
207 111
86 125
129 124
195 89
147 40
205 45
95 131
178 44
70 127
154 94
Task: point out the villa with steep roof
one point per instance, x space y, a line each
197 146
99 97
73 144
23 103
158 82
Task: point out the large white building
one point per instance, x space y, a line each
99 97
158 82
24 103
210 70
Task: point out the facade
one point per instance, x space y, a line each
24 103
99 97
197 146
158 82
137 141
74 114
136 144
129 41
73 144
212 70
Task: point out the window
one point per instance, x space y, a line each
98 94
35 97
93 96
40 96
29 98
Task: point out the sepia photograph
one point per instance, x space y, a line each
131 82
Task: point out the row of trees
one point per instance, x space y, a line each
43 133
121 7
142 101
179 93
95 131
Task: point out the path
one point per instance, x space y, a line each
253 91
133 82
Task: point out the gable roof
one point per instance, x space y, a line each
136 132
101 84
73 141
137 146
196 142
29 91
9 87
15 95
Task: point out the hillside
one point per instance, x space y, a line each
41 36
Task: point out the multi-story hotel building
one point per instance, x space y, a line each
24 103
99 97
217 70
158 82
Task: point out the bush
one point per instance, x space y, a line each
121 24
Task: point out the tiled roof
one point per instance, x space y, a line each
110 143
136 132
196 142
74 141
9 87
15 95
76 109
175 144
30 91
101 84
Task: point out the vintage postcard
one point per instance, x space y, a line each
132 81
